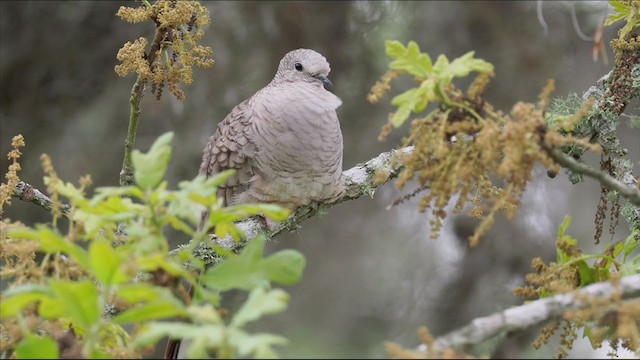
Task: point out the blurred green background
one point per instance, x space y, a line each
373 275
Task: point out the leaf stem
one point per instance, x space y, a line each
591 256
469 110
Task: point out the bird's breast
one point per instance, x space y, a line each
300 132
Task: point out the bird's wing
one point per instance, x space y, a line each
231 147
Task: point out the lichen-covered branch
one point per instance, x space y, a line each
527 315
612 93
360 180
28 193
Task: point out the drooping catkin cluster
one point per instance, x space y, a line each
175 49
482 157
610 318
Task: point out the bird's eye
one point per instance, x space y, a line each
298 66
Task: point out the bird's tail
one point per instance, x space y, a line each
172 349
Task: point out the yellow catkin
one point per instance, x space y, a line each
6 189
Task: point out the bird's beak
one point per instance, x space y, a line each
325 81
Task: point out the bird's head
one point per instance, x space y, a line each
305 65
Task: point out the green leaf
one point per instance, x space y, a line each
16 299
113 336
34 347
116 208
204 314
587 274
613 18
249 270
617 248
70 191
99 354
225 228
241 211
198 349
630 244
588 333
561 256
105 192
405 102
260 303
622 11
106 263
213 335
154 302
53 308
441 64
409 59
79 300
154 310
239 272
203 295
620 6
203 190
259 345
393 48
564 225
285 267
426 93
163 261
180 225
401 115
52 242
462 66
272 211
107 212
142 292
149 168
631 266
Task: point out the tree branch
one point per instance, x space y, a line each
613 92
126 174
137 92
524 316
360 180
28 193
629 193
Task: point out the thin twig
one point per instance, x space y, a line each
137 92
576 25
543 23
126 174
28 193
629 193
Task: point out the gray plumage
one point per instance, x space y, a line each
284 142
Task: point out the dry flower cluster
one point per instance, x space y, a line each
174 50
23 263
483 157
613 319
6 190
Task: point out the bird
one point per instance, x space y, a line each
284 143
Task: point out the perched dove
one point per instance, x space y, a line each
285 141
